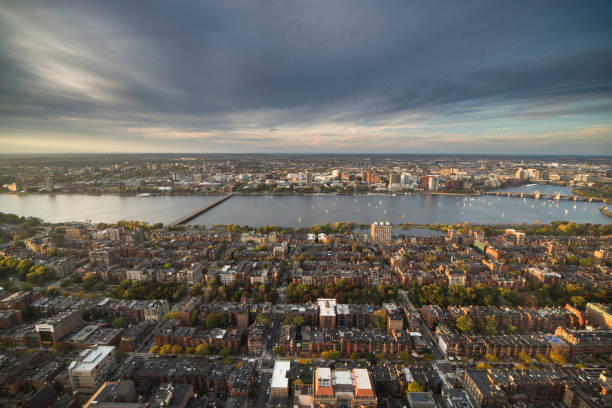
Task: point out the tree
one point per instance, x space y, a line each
202 349
118 323
379 319
193 317
542 358
218 319
464 323
525 358
489 326
263 319
177 349
226 352
304 361
511 329
557 358
165 349
171 315
414 387
404 356
355 355
578 301
490 358
331 355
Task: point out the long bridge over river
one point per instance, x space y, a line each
538 195
190 216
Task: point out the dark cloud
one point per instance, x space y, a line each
250 66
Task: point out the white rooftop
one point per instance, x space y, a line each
343 377
362 379
327 307
90 358
324 376
279 374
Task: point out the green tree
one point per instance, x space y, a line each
489 325
379 319
193 317
118 323
404 356
578 301
511 329
464 323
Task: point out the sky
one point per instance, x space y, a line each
312 76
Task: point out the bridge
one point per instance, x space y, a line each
537 195
190 216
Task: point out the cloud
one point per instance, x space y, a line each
300 76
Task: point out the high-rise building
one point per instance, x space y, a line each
433 183
89 370
381 232
308 178
406 178
394 178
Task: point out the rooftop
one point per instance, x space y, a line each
279 374
90 358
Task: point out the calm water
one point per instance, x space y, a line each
301 211
104 208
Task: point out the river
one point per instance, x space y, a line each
307 210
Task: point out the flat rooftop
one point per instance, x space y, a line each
279 374
90 358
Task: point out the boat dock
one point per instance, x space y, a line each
199 211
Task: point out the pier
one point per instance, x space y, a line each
190 216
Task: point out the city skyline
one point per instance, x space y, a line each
358 77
